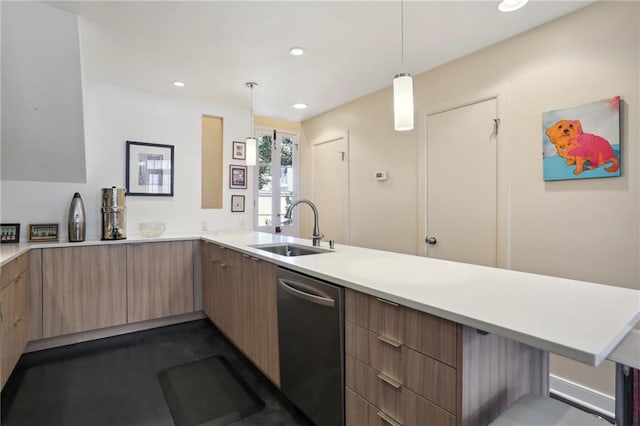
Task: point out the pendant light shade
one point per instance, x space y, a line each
403 102
251 142
402 89
251 150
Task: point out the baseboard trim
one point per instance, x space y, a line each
582 396
70 339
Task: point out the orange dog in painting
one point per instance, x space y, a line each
579 148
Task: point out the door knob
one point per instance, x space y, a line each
431 241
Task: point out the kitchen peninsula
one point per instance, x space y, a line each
579 320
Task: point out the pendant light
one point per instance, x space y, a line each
251 141
402 89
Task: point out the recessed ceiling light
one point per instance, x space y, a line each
511 5
300 106
178 83
296 51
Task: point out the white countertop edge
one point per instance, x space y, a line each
8 252
242 242
628 351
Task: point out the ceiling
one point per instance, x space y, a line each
352 48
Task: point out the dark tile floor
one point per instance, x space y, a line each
113 381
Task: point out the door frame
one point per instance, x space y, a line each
347 195
502 94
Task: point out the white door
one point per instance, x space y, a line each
331 186
461 184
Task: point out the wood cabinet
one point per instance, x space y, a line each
239 296
83 288
14 312
405 367
159 279
218 288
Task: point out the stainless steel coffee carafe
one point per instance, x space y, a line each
77 230
113 214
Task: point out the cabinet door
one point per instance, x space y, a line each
83 288
222 292
14 310
263 314
207 267
159 279
257 317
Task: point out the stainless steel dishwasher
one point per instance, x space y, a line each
311 343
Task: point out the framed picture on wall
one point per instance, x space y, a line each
239 150
237 203
149 169
39 232
237 177
9 233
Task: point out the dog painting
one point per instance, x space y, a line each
583 141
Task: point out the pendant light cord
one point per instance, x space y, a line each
402 33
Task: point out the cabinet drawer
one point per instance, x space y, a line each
359 412
420 412
15 300
431 335
11 270
367 382
383 317
430 379
376 351
215 251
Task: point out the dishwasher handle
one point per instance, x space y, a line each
306 293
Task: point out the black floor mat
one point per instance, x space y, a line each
207 392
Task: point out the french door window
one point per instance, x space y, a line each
276 180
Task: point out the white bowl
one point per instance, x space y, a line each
152 229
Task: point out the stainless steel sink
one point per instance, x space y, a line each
288 249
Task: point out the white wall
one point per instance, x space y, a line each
588 229
41 94
113 115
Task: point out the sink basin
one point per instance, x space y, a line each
288 249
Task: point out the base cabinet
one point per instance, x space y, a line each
14 314
83 288
405 367
159 279
239 296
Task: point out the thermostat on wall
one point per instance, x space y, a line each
382 176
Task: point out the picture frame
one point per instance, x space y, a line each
9 233
237 177
149 169
42 232
239 150
237 203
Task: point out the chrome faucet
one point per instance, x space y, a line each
317 236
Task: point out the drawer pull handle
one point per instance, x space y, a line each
389 380
389 341
255 258
246 255
388 302
388 419
223 265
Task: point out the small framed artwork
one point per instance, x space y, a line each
39 232
239 152
237 203
237 177
9 233
149 169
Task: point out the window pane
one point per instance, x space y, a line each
286 178
265 202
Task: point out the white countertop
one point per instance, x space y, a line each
579 320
